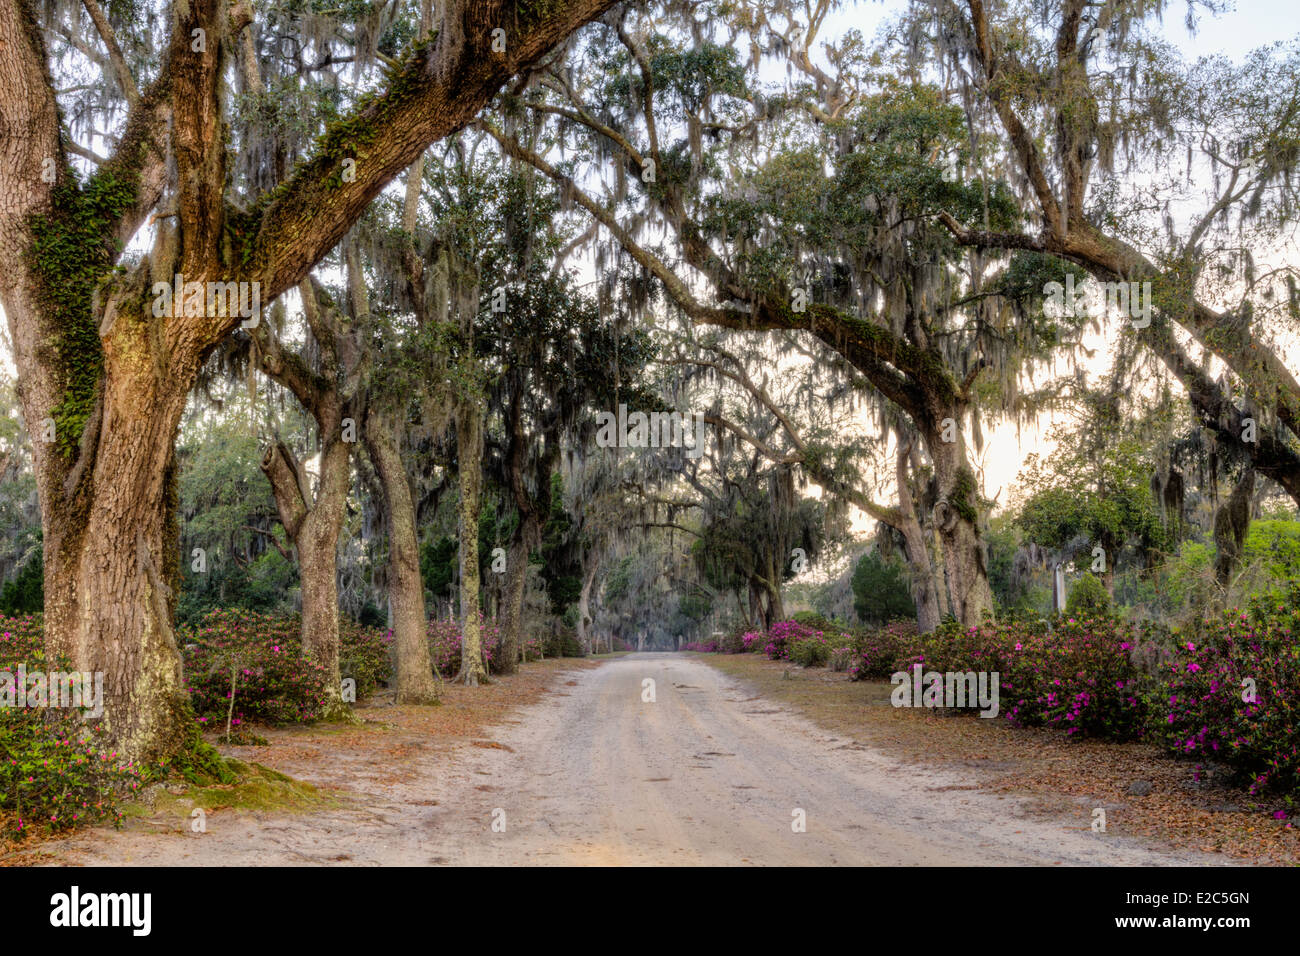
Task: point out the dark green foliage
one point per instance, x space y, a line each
72 250
1088 598
25 594
880 590
561 568
563 643
818 622
438 566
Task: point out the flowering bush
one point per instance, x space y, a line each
781 635
811 651
1231 693
841 659
733 642
273 683
879 651
1082 677
54 773
445 639
703 647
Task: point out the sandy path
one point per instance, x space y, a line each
704 775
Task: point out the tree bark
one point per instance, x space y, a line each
584 607
924 593
415 684
957 520
1231 521
512 629
313 524
469 455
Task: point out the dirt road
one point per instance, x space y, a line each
599 774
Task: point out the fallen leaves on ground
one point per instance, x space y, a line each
1060 774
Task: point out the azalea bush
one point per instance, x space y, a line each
811 651
782 635
55 773
703 647
273 682
445 640
1082 677
1231 695
841 659
879 651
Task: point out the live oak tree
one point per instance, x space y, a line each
1141 168
332 390
814 210
822 443
92 355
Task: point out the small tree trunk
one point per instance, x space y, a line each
512 637
469 454
584 608
313 525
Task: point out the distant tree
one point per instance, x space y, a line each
25 594
880 589
1088 597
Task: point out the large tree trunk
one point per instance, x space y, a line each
313 525
415 683
469 456
115 570
957 520
924 593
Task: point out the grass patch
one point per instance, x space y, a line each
256 788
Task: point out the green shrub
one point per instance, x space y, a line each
1088 598
880 589
878 652
815 621
563 643
811 651
365 656
733 642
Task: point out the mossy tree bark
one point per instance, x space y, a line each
114 377
526 536
1231 522
957 518
584 604
415 684
469 455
